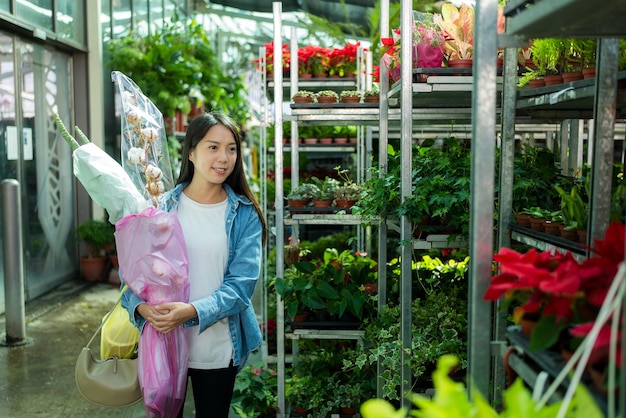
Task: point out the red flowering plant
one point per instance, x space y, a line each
342 61
269 58
555 288
319 61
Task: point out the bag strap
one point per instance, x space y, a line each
119 298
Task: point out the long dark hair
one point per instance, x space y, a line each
197 129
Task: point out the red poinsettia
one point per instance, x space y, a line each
556 287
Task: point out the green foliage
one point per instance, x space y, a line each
439 326
175 65
96 235
255 392
303 191
334 284
535 173
451 401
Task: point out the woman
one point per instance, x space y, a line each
224 231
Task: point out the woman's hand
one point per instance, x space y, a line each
167 316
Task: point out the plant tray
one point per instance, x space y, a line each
319 210
370 105
324 325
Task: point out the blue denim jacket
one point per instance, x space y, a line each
233 299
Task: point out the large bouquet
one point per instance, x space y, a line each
151 248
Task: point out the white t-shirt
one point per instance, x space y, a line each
207 248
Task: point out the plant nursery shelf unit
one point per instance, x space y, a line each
332 115
320 148
571 100
323 219
576 18
442 92
313 84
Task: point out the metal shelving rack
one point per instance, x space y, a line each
330 115
586 99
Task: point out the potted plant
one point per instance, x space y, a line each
457 25
325 191
96 235
555 289
319 62
301 195
371 96
327 96
304 96
342 61
261 381
350 96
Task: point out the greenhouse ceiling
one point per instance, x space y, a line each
344 11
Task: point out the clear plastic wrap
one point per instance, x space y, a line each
144 152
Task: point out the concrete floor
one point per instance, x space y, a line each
37 379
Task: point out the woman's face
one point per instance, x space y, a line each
215 155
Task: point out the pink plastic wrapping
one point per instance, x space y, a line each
153 261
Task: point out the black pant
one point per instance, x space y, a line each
212 391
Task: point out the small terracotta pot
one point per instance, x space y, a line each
523 219
326 99
572 76
350 99
553 79
325 140
302 100
571 234
341 140
551 228
371 99
536 224
589 73
536 83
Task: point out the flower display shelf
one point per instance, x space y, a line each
540 367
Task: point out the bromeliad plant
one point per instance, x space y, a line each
555 287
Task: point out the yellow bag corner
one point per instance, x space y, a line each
119 337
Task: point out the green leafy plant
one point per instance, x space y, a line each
350 93
451 400
304 191
96 235
335 284
176 65
255 391
439 326
573 208
325 189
